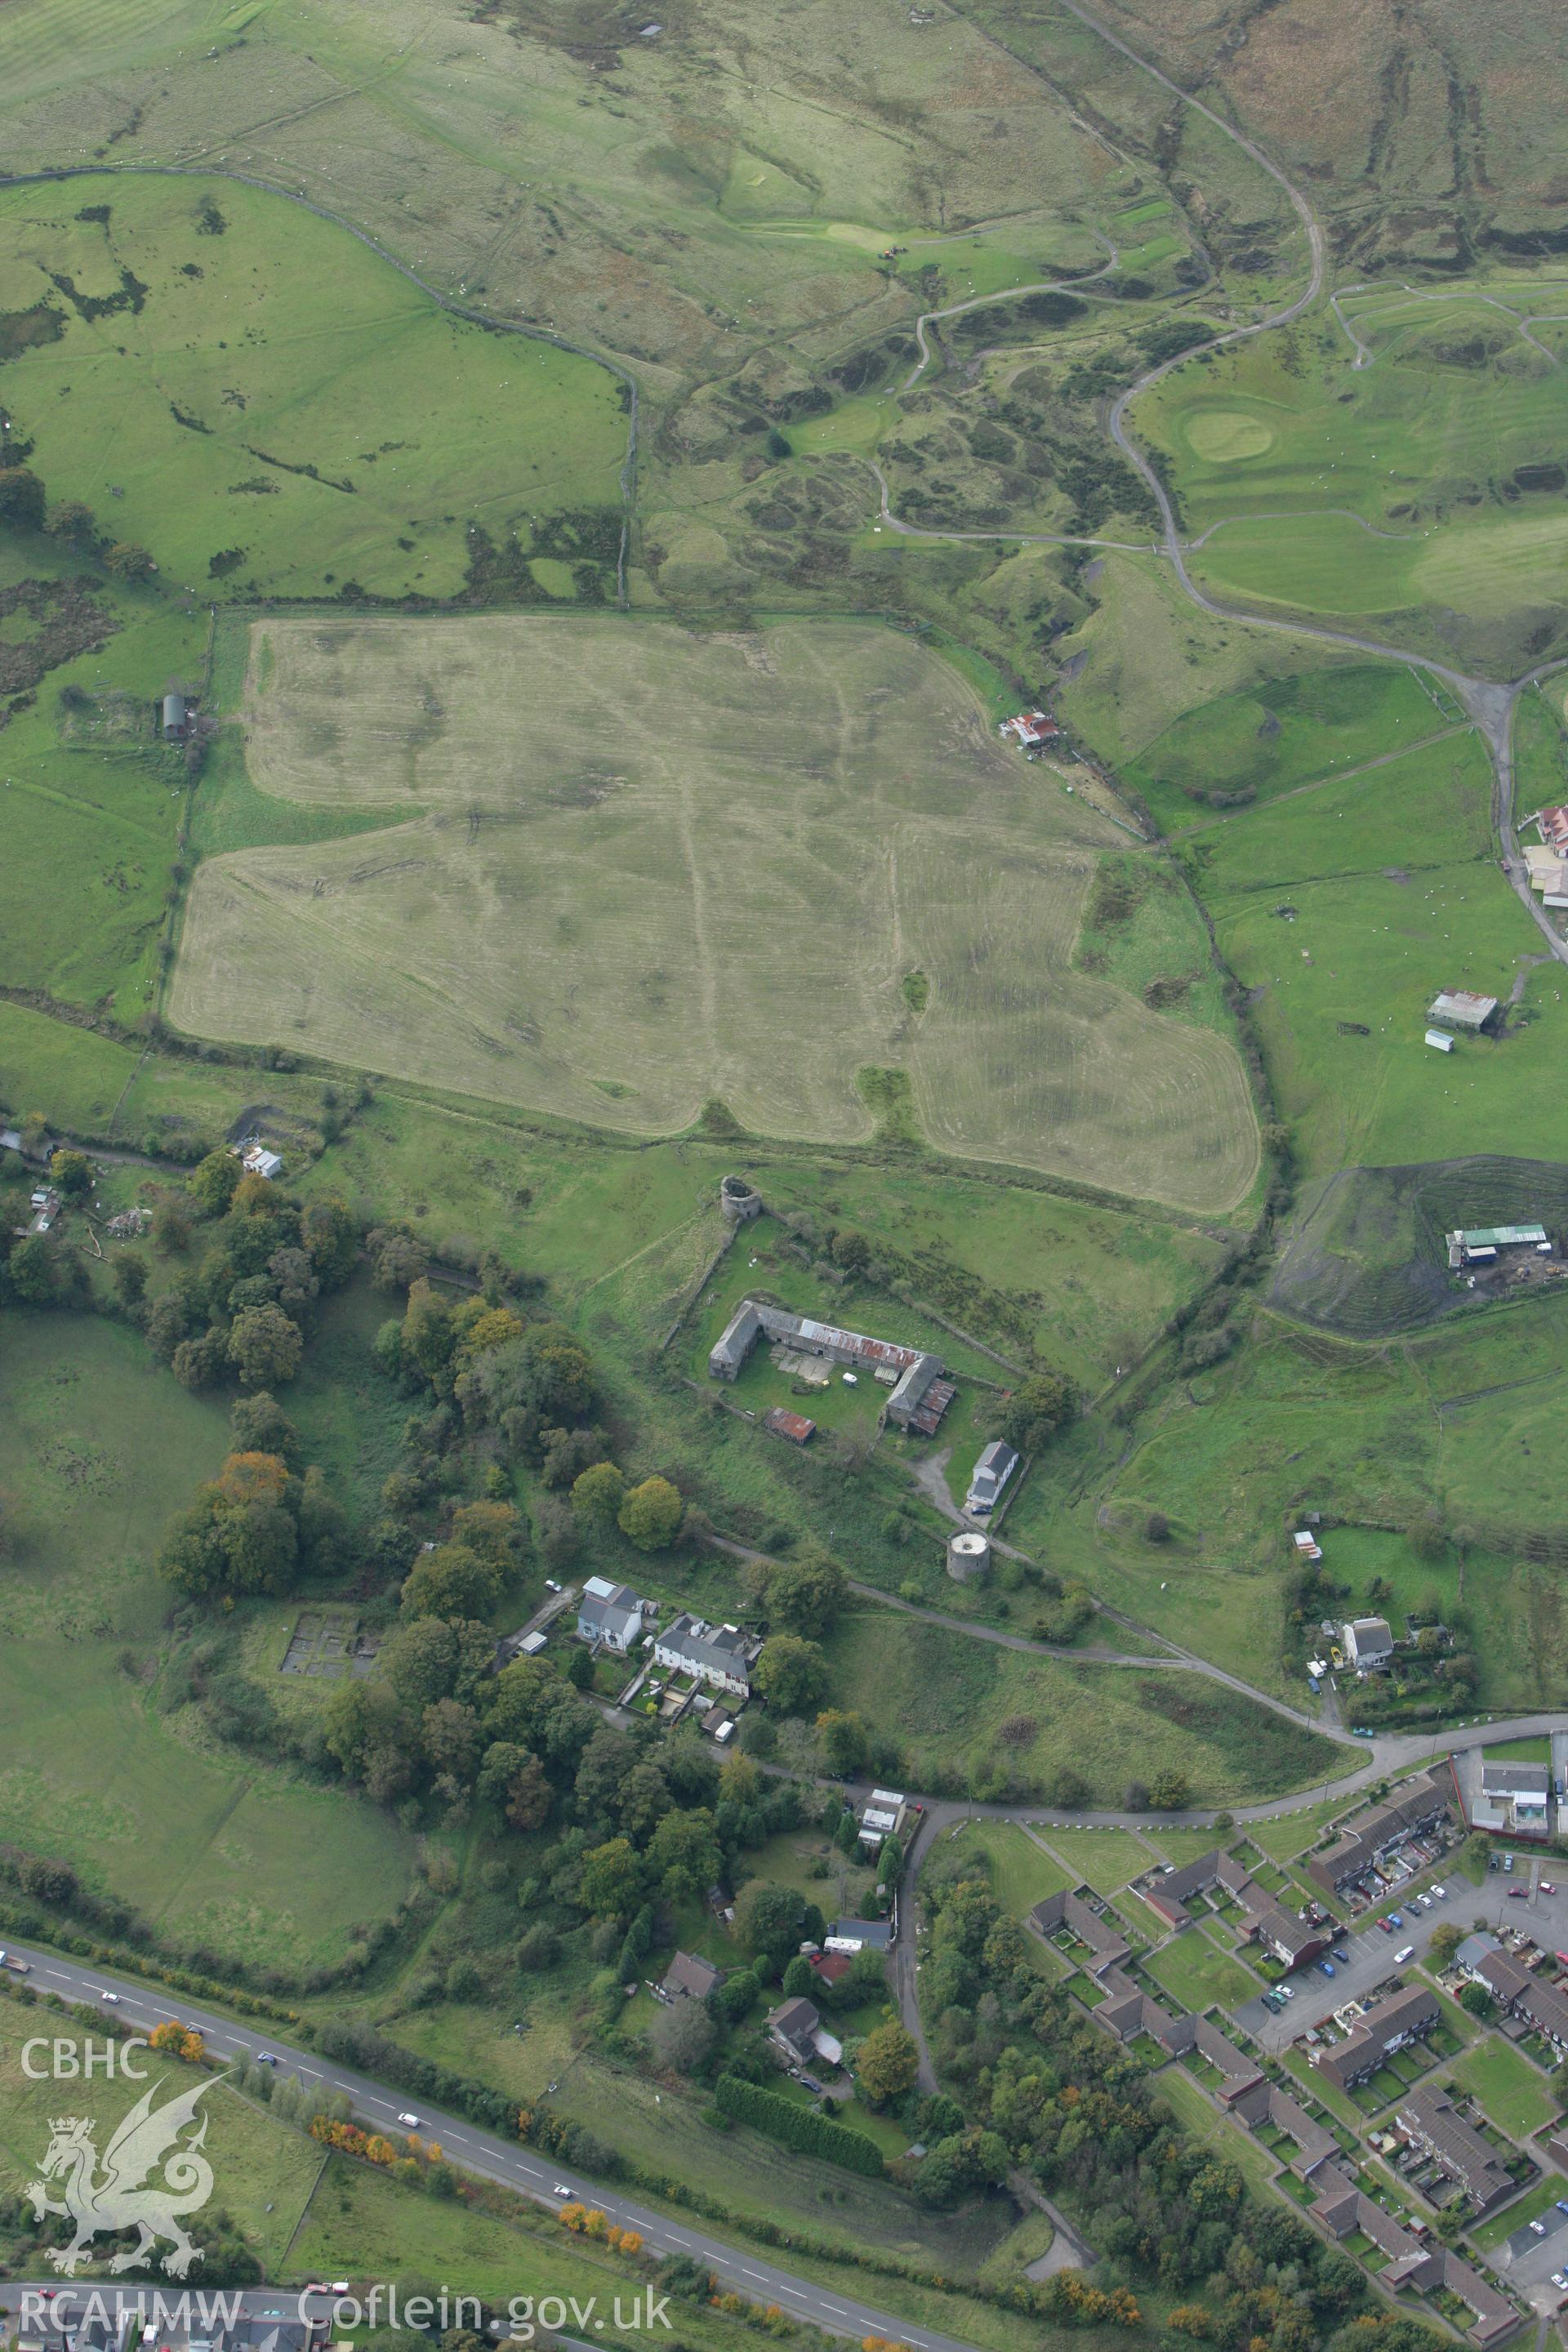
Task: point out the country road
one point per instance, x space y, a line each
742 2269
1490 703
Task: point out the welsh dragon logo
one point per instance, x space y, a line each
114 2198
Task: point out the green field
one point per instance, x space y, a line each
1394 490
1104 1859
1456 1420
276 397
97 1449
1021 1873
948 1699
1196 1973
1344 910
1280 734
1514 2093
456 949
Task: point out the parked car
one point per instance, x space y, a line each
1405 1952
1539 2227
1558 2281
1387 1927
1508 1862
1394 1920
1327 1967
1344 1957
1519 1895
1563 2204
550 1585
1439 1894
1549 1887
1286 1992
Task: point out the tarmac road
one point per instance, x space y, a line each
481 2153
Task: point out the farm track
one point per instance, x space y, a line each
1489 703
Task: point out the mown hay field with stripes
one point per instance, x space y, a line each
624 869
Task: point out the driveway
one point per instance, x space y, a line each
1370 1963
1530 2255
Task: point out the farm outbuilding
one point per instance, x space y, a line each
785 1423
1469 1243
1441 1040
177 718
1031 728
1461 1008
920 1394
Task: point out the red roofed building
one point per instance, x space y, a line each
785 1423
1032 728
1553 824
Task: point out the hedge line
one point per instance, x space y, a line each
800 2127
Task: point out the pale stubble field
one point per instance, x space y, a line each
641 867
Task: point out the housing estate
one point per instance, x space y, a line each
1343 2210
1126 2013
1419 1806
920 1392
1291 1940
1107 1945
1380 2029
1264 2106
611 1616
1433 2125
721 1656
1168 1892
1536 2004
1516 1797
